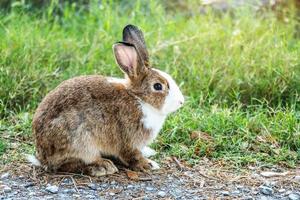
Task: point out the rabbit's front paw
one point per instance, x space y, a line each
147 152
142 165
103 167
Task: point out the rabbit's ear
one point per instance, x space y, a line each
127 58
133 35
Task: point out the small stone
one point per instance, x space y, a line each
6 189
111 194
31 193
92 186
235 193
63 196
27 185
225 193
245 190
89 196
248 198
69 191
266 190
178 192
67 181
52 188
113 182
15 184
281 190
270 183
130 186
265 198
240 187
161 194
5 175
294 196
149 188
255 192
297 178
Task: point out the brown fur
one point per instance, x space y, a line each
87 118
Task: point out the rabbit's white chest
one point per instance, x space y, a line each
152 120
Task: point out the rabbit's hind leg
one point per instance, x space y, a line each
73 165
100 167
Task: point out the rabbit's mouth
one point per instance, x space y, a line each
171 105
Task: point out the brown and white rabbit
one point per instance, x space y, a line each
89 118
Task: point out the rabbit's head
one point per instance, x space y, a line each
149 85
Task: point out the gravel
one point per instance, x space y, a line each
203 181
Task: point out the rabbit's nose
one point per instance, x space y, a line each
181 101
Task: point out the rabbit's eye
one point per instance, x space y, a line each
157 86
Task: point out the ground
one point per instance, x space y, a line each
175 180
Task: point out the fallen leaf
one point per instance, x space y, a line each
195 135
132 175
197 151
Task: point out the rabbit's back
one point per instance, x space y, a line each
82 112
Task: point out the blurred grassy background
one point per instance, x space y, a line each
239 68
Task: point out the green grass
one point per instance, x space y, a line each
240 74
2 147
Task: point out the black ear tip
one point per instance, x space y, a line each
122 43
130 27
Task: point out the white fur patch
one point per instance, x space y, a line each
147 152
33 160
152 120
154 165
175 99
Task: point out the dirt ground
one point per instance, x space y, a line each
175 180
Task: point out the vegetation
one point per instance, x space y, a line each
240 73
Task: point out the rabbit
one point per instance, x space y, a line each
88 119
